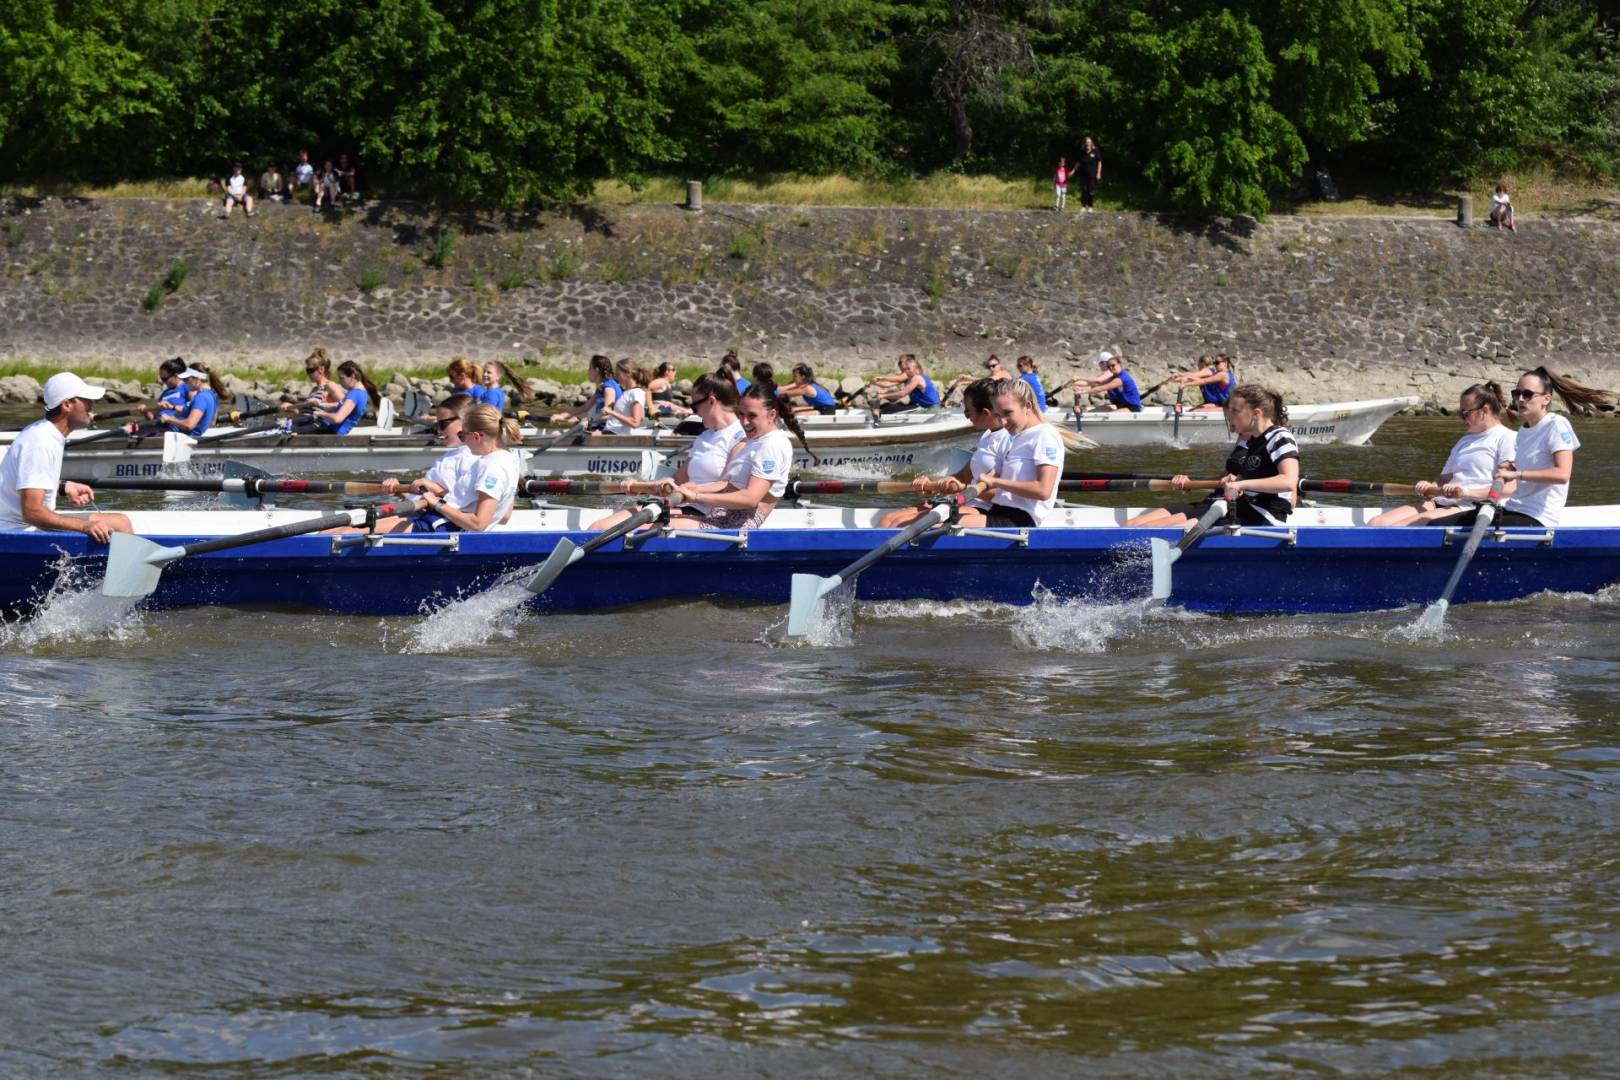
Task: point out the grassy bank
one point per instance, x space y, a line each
1535 193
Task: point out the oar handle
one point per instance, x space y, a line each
538 486
1356 487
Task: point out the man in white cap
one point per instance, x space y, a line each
31 470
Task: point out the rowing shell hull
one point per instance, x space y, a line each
937 444
1349 422
1312 568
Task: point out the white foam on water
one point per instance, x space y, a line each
493 614
835 628
74 610
985 611
1085 626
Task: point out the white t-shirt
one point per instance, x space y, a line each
453 471
1041 445
706 461
303 172
34 461
770 457
1534 449
1473 461
626 403
496 475
236 186
988 456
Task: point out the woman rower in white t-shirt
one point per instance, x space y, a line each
1470 467
625 414
1537 479
1024 488
714 399
987 457
757 474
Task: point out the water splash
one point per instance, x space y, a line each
835 627
74 610
1085 626
492 614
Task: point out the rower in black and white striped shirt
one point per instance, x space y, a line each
1262 472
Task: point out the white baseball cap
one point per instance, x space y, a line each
64 385
193 373
1104 357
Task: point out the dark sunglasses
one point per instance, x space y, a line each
311 370
700 401
442 424
1526 395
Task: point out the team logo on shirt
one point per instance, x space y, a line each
767 467
1051 453
1565 437
490 483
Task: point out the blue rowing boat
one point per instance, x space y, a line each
1326 561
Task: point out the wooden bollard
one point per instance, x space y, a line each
694 195
1465 211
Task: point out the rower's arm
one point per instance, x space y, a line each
1042 487
1286 482
757 491
40 516
186 422
1563 467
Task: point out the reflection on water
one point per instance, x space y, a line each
964 839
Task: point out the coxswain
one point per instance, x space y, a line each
31 469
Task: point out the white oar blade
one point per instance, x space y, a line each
1433 616
1164 557
134 565
808 602
386 414
177 447
564 555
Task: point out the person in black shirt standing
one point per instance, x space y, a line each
1090 173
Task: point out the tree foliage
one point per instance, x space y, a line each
1213 106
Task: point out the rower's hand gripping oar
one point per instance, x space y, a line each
134 563
809 591
567 553
1165 556
1435 613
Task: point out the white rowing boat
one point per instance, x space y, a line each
1349 422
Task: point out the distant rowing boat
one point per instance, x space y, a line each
1349 422
933 442
1324 561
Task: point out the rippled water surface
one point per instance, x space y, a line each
965 839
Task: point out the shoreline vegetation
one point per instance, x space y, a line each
1542 193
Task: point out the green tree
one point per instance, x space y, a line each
1203 124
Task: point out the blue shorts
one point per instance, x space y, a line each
431 523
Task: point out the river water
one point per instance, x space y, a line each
1055 839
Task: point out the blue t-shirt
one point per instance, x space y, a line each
361 401
925 396
494 397
601 393
743 385
478 392
1034 381
1127 396
172 402
822 398
1217 393
206 400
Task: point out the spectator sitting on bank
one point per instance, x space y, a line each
327 187
1502 209
236 191
303 175
347 176
272 183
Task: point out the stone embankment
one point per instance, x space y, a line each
1322 308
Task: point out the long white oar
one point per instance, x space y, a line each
1165 556
808 601
1435 613
567 553
134 563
